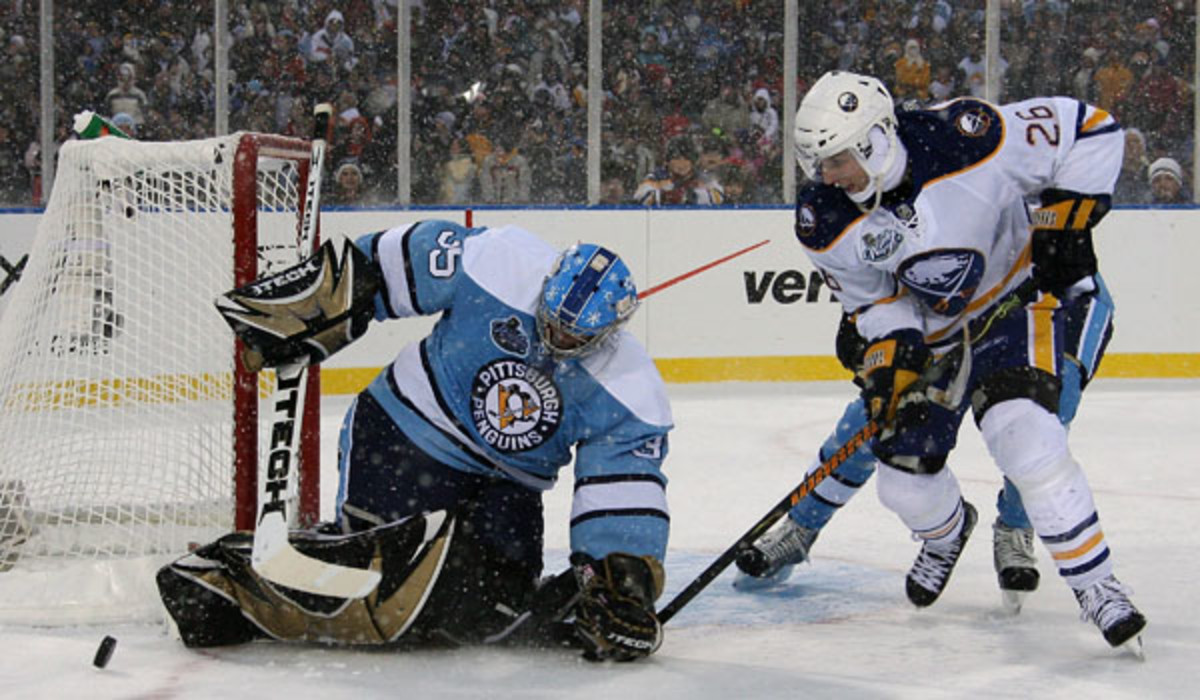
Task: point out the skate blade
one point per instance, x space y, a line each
1134 648
747 583
1012 601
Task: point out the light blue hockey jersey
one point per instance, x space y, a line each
480 394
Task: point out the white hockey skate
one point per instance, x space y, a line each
1106 603
771 559
1016 565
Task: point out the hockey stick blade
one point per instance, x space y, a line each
276 560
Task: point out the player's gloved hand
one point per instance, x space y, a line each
614 618
1062 238
890 366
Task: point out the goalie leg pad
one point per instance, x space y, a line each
216 598
308 311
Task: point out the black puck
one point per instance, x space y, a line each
104 652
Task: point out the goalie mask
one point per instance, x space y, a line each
845 111
586 298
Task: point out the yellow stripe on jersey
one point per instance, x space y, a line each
1082 549
1098 117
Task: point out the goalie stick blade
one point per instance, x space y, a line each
276 560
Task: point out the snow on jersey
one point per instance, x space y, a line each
481 394
954 236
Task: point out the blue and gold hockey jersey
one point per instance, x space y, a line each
954 236
481 394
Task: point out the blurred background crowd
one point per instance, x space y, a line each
691 88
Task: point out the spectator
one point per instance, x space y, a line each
1113 81
763 118
458 175
1133 187
613 188
973 69
679 182
127 97
330 44
126 123
505 176
912 74
1084 79
713 153
1166 182
735 184
943 86
727 111
348 184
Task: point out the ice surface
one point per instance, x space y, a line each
839 628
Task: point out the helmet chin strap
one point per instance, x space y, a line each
891 158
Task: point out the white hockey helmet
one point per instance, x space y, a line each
839 113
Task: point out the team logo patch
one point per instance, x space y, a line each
973 123
806 221
509 336
848 101
944 280
877 246
514 406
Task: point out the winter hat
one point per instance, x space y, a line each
1166 166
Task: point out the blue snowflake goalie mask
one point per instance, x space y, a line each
585 299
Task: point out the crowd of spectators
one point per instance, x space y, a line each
499 87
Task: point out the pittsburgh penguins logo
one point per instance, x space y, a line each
514 406
973 123
848 101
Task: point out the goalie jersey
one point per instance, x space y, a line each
481 394
950 240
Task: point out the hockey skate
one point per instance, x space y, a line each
771 559
931 571
1106 603
1016 565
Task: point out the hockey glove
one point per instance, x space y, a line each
1062 238
890 366
615 618
309 311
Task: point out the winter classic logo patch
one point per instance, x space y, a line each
514 407
509 336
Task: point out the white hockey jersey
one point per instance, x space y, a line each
955 236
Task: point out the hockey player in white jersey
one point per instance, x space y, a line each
920 223
444 457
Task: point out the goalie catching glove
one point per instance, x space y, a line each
306 312
890 366
1062 238
615 618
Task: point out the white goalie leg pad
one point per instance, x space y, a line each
924 502
1029 444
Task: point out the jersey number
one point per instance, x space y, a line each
652 449
1035 114
444 258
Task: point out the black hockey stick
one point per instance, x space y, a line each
957 359
273 556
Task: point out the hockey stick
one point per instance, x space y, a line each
957 358
273 556
676 280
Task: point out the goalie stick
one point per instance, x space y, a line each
958 359
273 556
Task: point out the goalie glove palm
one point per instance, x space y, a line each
615 618
308 311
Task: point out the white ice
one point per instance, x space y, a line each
839 628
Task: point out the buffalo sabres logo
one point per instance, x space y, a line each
848 101
945 280
806 221
973 123
509 336
514 407
877 246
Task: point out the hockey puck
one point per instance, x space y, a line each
104 652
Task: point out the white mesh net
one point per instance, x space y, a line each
116 373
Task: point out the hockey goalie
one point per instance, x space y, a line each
444 456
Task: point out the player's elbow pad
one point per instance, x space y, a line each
306 312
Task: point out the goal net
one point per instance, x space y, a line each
128 430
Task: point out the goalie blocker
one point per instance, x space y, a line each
311 310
